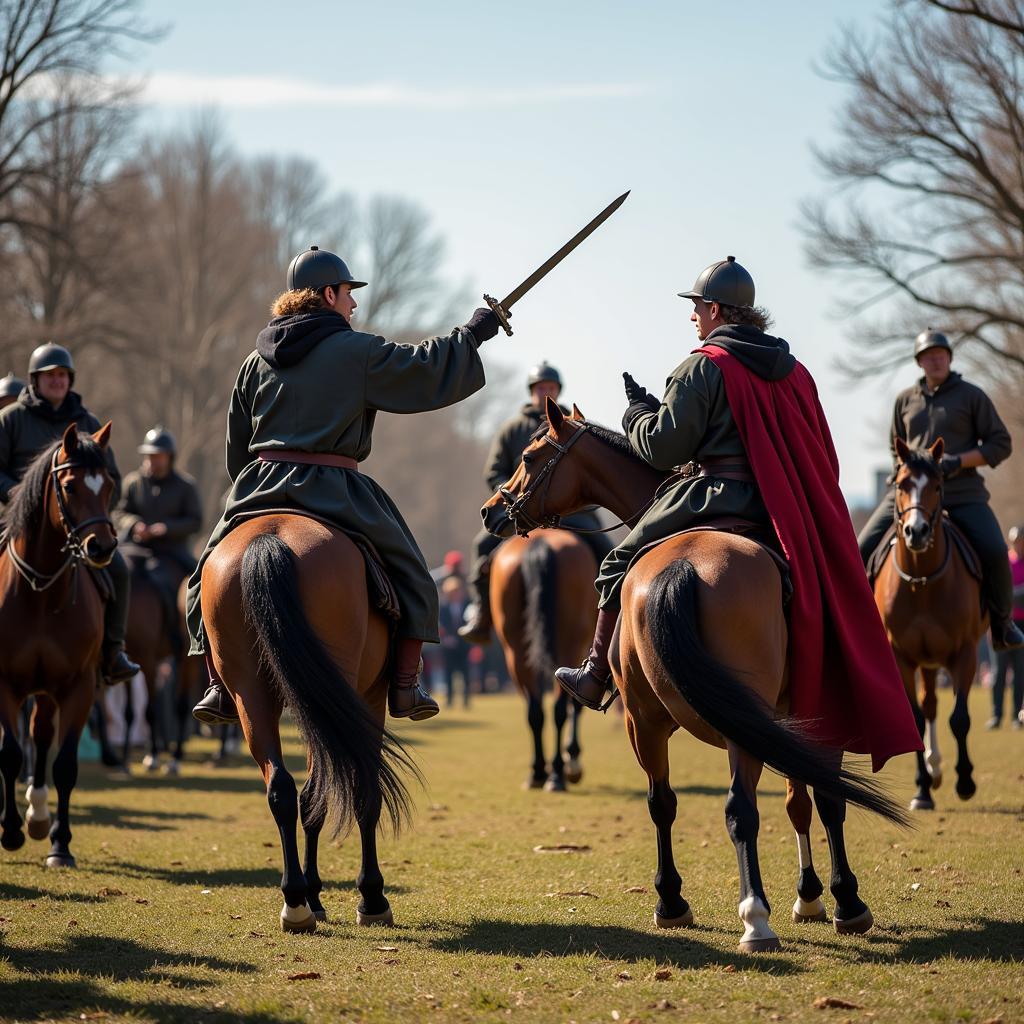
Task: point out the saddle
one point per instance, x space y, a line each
953 533
756 532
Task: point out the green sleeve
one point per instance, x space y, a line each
7 441
189 518
499 465
898 429
993 437
126 515
239 432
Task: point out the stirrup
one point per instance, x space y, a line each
610 701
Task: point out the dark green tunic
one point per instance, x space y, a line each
327 402
172 500
693 423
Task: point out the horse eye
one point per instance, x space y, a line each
69 487
527 459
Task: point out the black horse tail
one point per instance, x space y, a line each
355 763
731 708
540 584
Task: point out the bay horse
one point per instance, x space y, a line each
545 607
288 620
701 645
931 608
56 523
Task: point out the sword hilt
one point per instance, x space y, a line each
499 312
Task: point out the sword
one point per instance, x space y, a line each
500 309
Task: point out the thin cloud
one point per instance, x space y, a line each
178 90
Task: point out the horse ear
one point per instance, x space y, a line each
937 449
902 449
102 436
576 414
70 440
555 415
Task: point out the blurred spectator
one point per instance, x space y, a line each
1011 662
455 650
453 565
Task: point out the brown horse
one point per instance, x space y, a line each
701 645
931 608
288 620
545 607
55 523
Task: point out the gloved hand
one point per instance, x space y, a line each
484 324
950 465
635 393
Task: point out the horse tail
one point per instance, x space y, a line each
540 584
731 708
356 765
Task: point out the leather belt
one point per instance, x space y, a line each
727 467
307 458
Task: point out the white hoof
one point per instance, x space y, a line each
683 921
297 919
173 767
151 763
56 861
758 936
804 913
387 918
37 817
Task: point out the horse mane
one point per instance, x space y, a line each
24 512
618 442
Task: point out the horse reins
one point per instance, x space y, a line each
934 522
73 545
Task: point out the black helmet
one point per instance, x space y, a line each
725 282
543 371
159 439
931 339
10 386
317 268
51 357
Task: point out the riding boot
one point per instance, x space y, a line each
1006 635
116 666
406 698
477 629
216 706
589 683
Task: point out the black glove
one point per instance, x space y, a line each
484 324
636 394
950 465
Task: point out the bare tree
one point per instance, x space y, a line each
930 167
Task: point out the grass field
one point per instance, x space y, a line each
172 913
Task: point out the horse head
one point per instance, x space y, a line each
82 487
918 494
535 496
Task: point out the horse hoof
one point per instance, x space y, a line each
936 780
534 783
12 841
770 944
573 771
965 790
855 925
922 804
151 763
172 768
297 919
61 860
555 784
387 918
320 915
120 773
810 912
39 828
683 921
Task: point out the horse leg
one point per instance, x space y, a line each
74 713
556 777
151 761
11 758
809 905
852 916
296 915
312 824
535 719
929 707
373 904
129 721
574 770
38 815
960 721
922 800
743 822
99 719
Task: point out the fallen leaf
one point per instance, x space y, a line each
390 961
915 887
236 917
664 1004
563 848
662 974
95 1015
269 846
107 891
616 1015
142 902
72 923
832 1003
176 863
729 968
577 892
386 949
635 888
206 892
625 976
304 976
517 967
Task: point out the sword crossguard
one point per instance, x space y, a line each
499 312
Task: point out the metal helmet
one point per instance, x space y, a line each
931 339
10 386
543 371
51 357
158 439
725 282
317 268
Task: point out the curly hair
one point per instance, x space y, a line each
752 316
298 300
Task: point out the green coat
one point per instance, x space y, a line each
327 402
173 501
693 423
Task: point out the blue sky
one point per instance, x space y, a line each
513 124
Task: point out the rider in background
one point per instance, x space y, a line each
1011 661
10 388
514 435
942 404
45 408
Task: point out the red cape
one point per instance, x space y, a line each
844 682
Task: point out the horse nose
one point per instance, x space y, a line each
98 552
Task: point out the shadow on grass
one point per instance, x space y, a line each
633 792
26 892
37 994
684 948
133 819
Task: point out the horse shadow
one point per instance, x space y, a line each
26 893
685 949
132 819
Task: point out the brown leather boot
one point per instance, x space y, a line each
1006 636
117 666
406 698
589 683
477 629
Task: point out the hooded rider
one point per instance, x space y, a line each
943 404
304 403
43 411
544 382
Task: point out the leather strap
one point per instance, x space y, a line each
727 467
307 458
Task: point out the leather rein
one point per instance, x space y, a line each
934 522
73 548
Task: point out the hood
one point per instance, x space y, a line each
951 381
760 353
287 340
70 410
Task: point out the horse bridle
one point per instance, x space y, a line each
74 548
933 522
